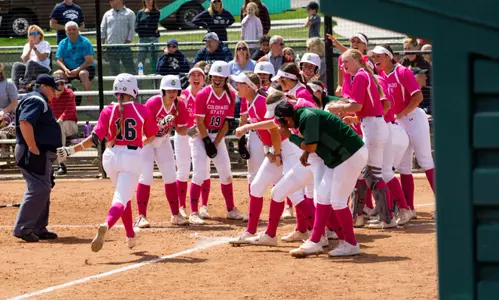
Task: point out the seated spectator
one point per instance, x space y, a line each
64 108
173 62
8 104
289 55
242 60
275 56
215 19
264 48
415 60
214 50
75 57
420 75
263 14
251 26
317 46
35 58
427 57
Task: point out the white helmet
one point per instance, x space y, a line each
311 58
170 82
126 84
220 68
265 67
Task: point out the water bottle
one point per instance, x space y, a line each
87 129
141 69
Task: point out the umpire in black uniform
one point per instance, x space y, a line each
37 136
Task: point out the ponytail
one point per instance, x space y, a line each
380 89
121 110
228 91
317 101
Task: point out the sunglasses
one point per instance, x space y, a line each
34 33
242 49
171 46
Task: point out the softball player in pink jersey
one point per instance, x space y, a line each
128 126
366 103
168 112
183 150
265 70
280 160
214 109
406 96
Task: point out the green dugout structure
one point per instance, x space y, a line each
465 36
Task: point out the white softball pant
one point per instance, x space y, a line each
337 184
375 136
270 173
120 164
417 128
183 156
257 155
397 144
299 178
161 151
201 161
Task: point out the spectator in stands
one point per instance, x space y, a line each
263 14
264 48
61 14
289 55
313 20
35 153
214 50
316 45
75 56
173 62
118 27
215 19
275 56
35 58
8 104
146 26
420 75
63 106
251 26
242 61
427 57
415 60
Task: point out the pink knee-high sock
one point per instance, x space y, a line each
255 209
205 193
182 192
275 213
430 176
310 213
127 220
381 185
194 193
289 203
322 213
172 197
397 193
407 181
143 194
333 224
301 218
345 219
228 193
114 214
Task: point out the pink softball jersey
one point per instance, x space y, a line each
402 85
365 92
213 108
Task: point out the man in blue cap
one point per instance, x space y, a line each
173 62
37 136
214 50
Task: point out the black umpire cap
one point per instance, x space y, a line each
284 109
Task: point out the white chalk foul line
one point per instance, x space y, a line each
201 246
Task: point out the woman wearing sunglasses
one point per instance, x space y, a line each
215 19
242 61
35 58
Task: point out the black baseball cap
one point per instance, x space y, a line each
417 71
284 109
47 80
313 5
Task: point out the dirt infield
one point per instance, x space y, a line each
196 262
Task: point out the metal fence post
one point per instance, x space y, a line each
328 29
99 79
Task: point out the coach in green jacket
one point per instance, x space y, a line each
344 156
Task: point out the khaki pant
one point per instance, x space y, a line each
68 128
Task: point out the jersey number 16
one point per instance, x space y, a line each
128 128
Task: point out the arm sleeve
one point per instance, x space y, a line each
11 91
243 107
183 117
103 123
295 139
60 50
137 25
199 20
259 28
197 58
230 19
81 17
232 108
103 27
25 50
228 54
200 108
150 126
265 18
31 111
55 13
70 106
408 80
44 47
359 89
315 20
90 48
131 23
